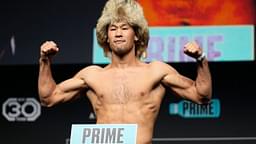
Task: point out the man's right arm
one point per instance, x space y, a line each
51 93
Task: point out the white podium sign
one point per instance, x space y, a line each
103 134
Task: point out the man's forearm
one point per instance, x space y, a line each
46 83
204 80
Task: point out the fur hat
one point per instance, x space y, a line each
129 11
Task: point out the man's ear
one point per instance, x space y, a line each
136 38
107 40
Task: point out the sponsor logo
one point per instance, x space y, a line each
167 43
21 109
188 109
104 133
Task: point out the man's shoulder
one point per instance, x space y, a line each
92 68
158 64
161 66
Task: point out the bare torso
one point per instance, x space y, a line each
128 95
127 90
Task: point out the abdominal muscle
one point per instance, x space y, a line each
131 113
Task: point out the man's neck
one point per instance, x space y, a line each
124 62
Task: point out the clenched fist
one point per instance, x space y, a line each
192 49
48 49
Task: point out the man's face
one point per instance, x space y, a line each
121 38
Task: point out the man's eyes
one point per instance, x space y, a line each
123 28
112 29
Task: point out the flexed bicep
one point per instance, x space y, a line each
65 91
70 88
182 86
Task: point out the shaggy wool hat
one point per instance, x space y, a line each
123 10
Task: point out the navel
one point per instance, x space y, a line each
142 94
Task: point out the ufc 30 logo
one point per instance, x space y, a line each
21 109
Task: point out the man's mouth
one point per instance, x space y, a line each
119 41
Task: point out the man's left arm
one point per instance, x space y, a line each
198 90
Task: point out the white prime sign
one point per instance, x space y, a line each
103 133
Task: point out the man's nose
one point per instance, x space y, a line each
118 33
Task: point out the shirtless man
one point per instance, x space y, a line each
127 90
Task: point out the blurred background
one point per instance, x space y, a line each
224 29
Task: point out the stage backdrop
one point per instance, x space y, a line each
226 31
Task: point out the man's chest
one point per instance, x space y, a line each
123 87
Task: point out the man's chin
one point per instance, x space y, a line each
121 51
